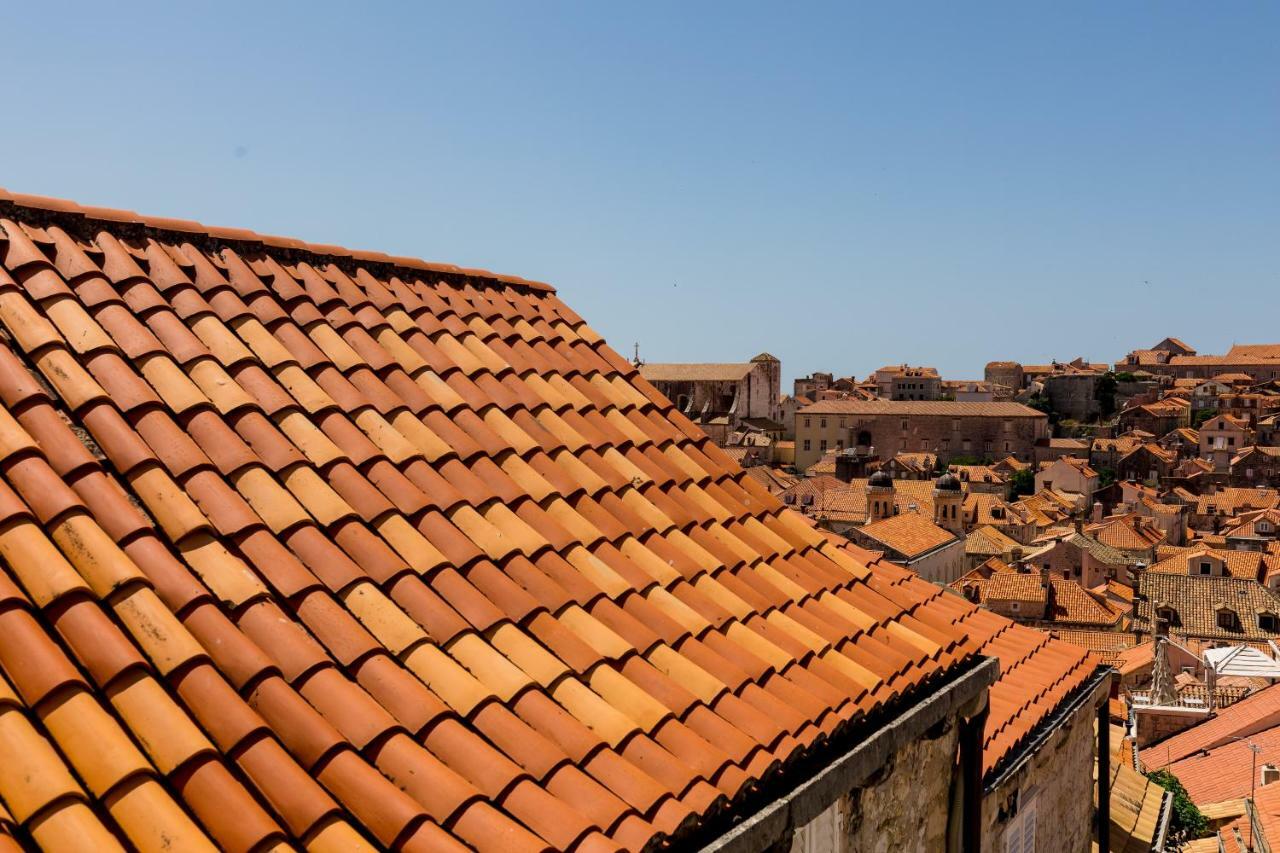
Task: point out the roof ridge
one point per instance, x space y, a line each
67 212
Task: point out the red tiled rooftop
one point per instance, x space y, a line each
310 545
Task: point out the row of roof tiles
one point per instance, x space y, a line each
369 555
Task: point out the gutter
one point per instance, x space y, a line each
1162 827
775 823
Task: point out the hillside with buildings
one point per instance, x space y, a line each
1130 509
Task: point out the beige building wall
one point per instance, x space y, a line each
1057 781
949 436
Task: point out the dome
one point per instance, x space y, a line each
948 482
881 479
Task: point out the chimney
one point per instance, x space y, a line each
1079 520
1097 512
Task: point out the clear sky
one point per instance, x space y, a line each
842 185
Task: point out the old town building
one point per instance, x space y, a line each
984 431
721 397
902 382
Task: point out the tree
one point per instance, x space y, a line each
1187 821
1106 477
1199 416
1040 403
1105 393
1022 483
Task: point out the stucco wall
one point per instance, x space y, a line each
904 809
1060 777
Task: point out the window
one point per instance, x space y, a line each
842 423
1013 605
1206 568
1166 615
822 423
968 445
807 424
986 446
946 444
806 444
1020 833
955 424
1007 447
839 444
822 445
1227 620
1267 622
904 424
1007 425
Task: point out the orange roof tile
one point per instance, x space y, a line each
1251 715
910 534
361 547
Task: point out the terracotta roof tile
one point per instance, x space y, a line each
910 534
359 548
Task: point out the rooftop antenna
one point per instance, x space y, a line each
635 359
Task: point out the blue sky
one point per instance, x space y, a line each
842 185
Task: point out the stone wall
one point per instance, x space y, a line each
1060 779
905 807
977 436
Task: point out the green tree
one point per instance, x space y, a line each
1106 477
1040 403
1187 821
1199 416
1105 393
1022 483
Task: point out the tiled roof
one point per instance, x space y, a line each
910 534
984 541
1122 444
1232 500
1037 672
1107 645
1239 836
1015 586
983 508
1134 658
1073 604
1196 601
1139 807
1224 772
1255 350
1250 715
977 473
302 544
1127 533
773 479
655 372
943 408
1251 565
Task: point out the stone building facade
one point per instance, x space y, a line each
903 382
1007 373
812 385
984 431
719 397
1050 794
1074 395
